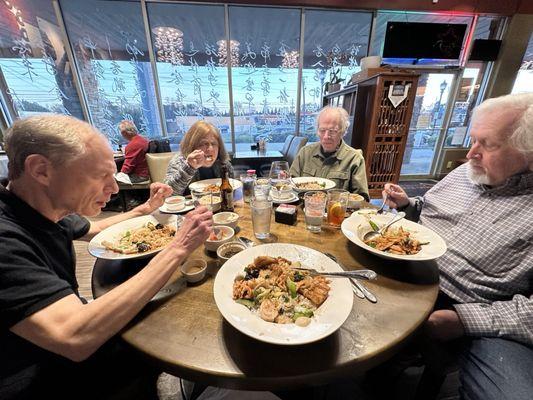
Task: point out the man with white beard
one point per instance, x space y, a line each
484 212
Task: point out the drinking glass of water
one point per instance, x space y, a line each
315 205
261 216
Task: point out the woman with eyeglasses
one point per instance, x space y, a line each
331 157
202 154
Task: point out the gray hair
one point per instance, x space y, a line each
521 105
128 128
59 138
342 116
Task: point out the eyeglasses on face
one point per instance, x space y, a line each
331 131
206 144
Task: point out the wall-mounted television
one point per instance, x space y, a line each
485 50
421 40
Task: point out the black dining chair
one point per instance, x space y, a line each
297 143
287 145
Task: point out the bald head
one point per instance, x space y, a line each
59 138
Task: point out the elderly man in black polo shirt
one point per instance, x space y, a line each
51 340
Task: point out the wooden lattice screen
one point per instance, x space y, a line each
385 155
377 127
380 129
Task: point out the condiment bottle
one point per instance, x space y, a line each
226 191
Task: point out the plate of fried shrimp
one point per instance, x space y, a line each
405 240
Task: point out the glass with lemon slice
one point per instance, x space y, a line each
336 207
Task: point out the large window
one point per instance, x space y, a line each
427 122
524 79
335 42
468 95
238 67
264 47
35 74
191 67
109 44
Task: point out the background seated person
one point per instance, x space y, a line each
135 153
202 154
483 210
331 157
55 344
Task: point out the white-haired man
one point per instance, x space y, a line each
331 157
484 212
50 339
135 164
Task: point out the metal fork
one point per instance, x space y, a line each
382 208
366 274
356 284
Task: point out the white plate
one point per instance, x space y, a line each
329 184
164 209
328 317
114 231
235 184
357 225
291 199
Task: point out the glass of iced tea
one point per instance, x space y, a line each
336 207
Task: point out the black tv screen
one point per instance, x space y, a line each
423 40
485 50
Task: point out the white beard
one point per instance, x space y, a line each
476 177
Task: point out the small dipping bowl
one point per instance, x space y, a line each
282 193
228 250
228 234
226 218
355 200
194 270
175 203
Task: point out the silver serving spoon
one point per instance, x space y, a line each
375 234
247 242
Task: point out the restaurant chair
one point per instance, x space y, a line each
158 165
124 187
159 146
287 145
297 143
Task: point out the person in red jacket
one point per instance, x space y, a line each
135 160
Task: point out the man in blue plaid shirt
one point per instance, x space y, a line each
484 212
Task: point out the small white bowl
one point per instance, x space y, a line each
228 234
175 203
355 200
194 270
214 203
223 252
226 218
281 194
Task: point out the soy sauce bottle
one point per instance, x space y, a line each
226 191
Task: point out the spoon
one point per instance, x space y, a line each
247 242
382 208
375 234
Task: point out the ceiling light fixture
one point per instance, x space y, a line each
290 59
223 53
169 45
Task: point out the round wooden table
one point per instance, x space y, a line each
182 332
